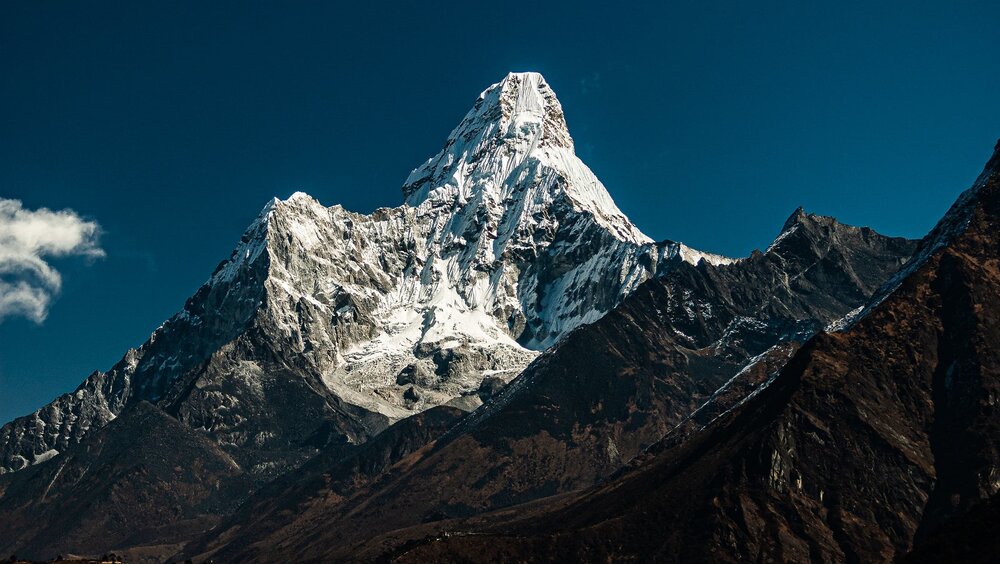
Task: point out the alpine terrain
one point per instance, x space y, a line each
875 443
505 243
505 368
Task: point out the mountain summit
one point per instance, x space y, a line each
513 147
506 242
877 443
301 385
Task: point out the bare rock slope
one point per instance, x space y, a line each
877 443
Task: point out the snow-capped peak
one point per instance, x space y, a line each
525 97
513 153
506 243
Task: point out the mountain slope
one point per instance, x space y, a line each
307 354
868 443
332 476
143 479
604 393
506 243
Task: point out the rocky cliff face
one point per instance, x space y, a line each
674 355
327 354
870 444
143 479
506 243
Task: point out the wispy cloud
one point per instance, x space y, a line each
28 238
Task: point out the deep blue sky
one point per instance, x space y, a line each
172 125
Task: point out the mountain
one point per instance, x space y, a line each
334 476
143 479
875 443
506 243
696 337
504 336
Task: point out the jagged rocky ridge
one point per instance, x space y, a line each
672 343
696 335
325 326
145 478
505 243
877 443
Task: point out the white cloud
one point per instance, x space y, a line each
28 283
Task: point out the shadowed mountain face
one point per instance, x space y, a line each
143 479
970 538
605 393
868 443
145 485
328 478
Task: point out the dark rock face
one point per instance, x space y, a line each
324 481
490 387
816 271
215 315
142 479
869 444
969 538
612 389
270 416
149 484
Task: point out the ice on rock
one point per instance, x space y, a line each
515 139
505 242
